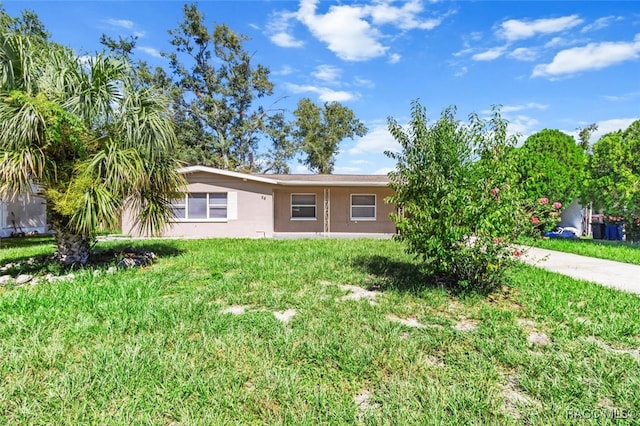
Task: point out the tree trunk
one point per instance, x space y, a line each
73 249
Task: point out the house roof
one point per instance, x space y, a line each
330 180
296 180
213 170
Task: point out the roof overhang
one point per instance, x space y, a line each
228 173
332 181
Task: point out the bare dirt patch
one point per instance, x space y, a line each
411 322
466 325
535 337
358 293
515 399
235 310
363 401
285 316
431 361
524 322
635 353
539 339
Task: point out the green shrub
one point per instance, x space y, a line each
550 164
456 188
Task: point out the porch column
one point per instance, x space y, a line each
327 210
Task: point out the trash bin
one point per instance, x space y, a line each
613 232
597 230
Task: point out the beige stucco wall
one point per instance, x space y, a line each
254 210
340 206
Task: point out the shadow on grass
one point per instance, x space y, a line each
101 258
409 277
23 242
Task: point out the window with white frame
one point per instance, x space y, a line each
303 206
201 206
363 207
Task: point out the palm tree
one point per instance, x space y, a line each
81 133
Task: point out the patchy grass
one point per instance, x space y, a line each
621 251
268 331
24 247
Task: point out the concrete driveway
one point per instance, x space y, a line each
622 276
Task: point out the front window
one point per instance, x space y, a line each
363 207
303 206
201 205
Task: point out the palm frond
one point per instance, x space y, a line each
16 64
118 168
19 169
99 210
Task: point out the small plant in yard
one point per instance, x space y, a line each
456 186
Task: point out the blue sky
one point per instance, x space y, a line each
549 64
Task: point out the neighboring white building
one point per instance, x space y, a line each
575 216
23 215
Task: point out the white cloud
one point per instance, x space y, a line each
514 29
383 171
405 17
519 125
463 52
364 82
284 70
324 94
555 42
604 127
524 54
285 40
593 56
531 105
301 170
360 162
460 72
327 73
622 98
344 29
150 51
490 55
611 125
123 23
394 58
279 27
346 170
352 32
475 36
522 125
377 141
600 23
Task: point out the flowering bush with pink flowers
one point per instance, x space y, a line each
544 215
462 209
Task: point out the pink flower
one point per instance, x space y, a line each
517 253
495 191
535 220
544 200
557 205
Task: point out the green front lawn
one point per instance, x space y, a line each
168 345
621 251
